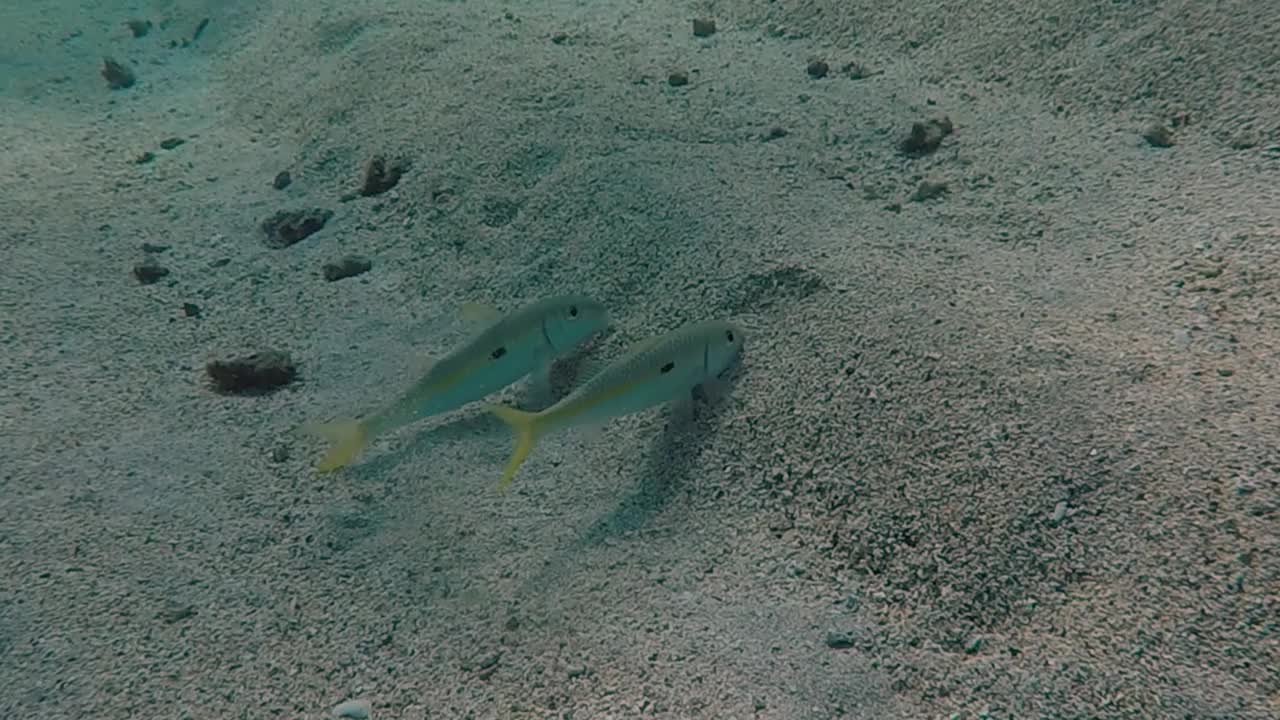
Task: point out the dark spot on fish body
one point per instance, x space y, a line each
498 353
667 368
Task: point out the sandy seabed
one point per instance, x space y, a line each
1003 443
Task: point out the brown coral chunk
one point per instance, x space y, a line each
380 176
925 137
118 76
290 226
254 374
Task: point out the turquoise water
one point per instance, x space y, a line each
998 443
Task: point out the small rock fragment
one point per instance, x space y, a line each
254 374
839 640
144 157
282 180
973 646
280 453
200 28
1059 513
560 37
149 273
153 248
171 143
818 69
925 137
774 133
118 76
380 177
929 190
175 613
139 28
290 226
191 310
349 266
1158 135
353 709
678 78
855 70
704 27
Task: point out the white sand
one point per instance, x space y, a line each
1016 443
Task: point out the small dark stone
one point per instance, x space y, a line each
349 266
200 28
177 613
380 177
153 248
282 180
144 158
171 143
839 640
560 38
290 226
139 28
774 133
855 71
254 374
1158 136
678 78
118 76
280 453
191 310
220 262
925 137
818 69
704 27
148 273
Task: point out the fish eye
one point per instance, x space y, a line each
729 334
573 311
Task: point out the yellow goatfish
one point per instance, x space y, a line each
511 347
653 372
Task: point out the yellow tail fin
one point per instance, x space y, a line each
348 438
525 427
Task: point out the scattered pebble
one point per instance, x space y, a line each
839 640
139 28
290 226
154 248
144 158
171 143
282 180
118 76
176 613
1158 135
349 266
855 71
191 310
678 78
925 137
704 27
973 646
354 709
818 69
575 671
280 453
928 191
1059 512
560 37
776 132
149 272
254 374
380 177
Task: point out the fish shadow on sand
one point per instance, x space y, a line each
670 461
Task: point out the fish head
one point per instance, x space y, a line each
572 319
723 343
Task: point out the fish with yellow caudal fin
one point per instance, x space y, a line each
509 348
654 371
